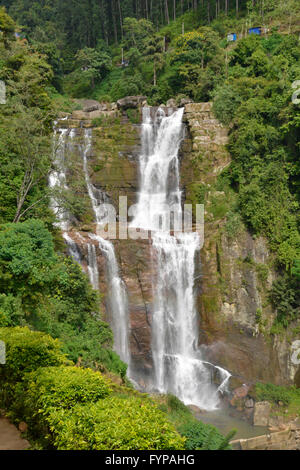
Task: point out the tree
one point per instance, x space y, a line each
27 143
154 52
93 64
7 26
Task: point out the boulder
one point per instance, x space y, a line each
130 102
249 403
261 415
80 115
91 105
198 107
88 105
171 103
63 115
22 426
195 409
184 101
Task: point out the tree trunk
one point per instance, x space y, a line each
167 12
174 10
121 18
237 7
208 11
113 7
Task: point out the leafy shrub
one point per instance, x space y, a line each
114 423
234 224
176 405
25 352
203 436
285 298
63 387
52 294
133 116
272 393
51 388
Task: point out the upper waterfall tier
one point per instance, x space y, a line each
159 175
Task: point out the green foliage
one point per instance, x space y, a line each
27 350
140 426
133 116
234 224
51 294
50 388
285 297
176 405
7 25
256 99
273 393
262 272
204 436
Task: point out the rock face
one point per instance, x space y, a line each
236 270
131 102
261 413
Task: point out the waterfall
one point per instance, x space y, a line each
179 367
57 178
93 266
72 248
117 296
63 143
159 169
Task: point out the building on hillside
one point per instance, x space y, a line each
255 30
231 37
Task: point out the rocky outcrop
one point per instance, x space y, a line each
131 102
236 269
261 414
288 439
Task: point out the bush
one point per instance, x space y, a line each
50 389
63 387
203 436
272 393
176 405
25 352
51 293
114 423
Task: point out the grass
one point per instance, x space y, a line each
285 400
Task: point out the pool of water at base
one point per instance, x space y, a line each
225 421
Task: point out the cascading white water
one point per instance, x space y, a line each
57 178
117 300
159 170
117 292
63 144
72 248
93 266
179 368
